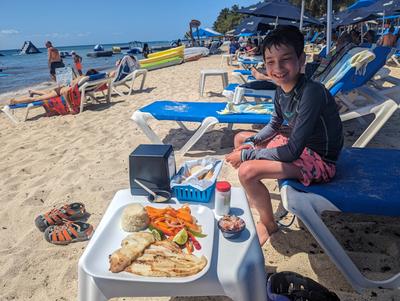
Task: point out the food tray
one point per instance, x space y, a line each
196 193
109 240
189 193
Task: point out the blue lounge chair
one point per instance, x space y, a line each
205 113
364 183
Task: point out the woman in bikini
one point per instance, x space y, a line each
45 94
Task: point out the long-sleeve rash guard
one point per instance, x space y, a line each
313 120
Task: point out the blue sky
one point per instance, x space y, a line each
73 22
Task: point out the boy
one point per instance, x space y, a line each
309 151
77 61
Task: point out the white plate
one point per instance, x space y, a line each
109 240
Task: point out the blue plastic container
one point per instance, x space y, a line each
191 194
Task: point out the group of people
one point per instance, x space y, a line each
55 61
124 66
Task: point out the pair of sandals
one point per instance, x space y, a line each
64 225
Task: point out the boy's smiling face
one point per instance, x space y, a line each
283 65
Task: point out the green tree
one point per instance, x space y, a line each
228 19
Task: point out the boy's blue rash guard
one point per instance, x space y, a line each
313 119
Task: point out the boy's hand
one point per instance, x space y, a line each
243 146
234 158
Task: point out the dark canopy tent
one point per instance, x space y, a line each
280 9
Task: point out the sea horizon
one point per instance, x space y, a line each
30 71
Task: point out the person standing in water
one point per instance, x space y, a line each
77 62
54 59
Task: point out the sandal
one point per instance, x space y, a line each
68 232
69 212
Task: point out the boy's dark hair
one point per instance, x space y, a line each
287 35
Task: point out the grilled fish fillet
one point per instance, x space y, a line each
131 248
165 259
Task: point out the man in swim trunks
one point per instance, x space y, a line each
54 59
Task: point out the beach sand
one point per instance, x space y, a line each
46 162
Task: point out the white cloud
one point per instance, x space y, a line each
9 31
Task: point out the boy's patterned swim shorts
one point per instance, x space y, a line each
313 168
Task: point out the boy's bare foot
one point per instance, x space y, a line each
263 233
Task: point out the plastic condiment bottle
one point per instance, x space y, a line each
222 198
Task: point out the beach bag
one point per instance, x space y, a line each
290 286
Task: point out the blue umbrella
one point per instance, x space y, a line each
206 33
361 3
281 9
253 25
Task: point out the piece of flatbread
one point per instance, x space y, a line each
165 259
131 248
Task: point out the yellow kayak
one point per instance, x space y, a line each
161 57
176 50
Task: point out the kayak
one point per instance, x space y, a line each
196 50
163 63
179 49
193 57
160 58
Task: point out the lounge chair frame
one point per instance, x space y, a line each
130 78
308 203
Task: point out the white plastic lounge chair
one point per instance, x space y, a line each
365 184
129 81
90 85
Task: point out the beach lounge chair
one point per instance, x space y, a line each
128 70
91 85
215 47
365 184
129 81
88 86
205 113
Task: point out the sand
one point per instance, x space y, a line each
46 162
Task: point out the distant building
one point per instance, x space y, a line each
29 48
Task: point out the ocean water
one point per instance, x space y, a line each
31 71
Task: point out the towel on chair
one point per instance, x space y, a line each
64 104
259 108
125 67
359 61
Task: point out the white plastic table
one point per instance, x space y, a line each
236 268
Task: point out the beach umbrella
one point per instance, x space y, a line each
361 3
252 25
206 33
354 16
279 9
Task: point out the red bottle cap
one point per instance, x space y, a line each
223 186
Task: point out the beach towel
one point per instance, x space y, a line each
126 66
249 108
359 61
59 105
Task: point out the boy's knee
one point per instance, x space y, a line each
246 172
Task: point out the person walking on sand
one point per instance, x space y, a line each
307 148
77 62
54 59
